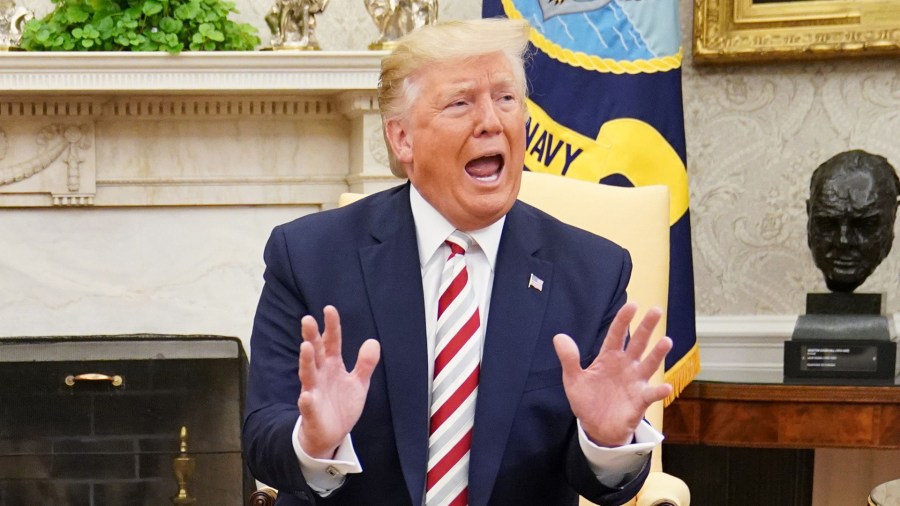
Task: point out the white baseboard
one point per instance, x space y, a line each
743 347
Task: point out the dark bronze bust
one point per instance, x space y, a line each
851 208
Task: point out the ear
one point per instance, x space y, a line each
400 140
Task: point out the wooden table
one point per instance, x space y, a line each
746 444
785 416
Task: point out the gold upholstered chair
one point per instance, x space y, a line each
638 220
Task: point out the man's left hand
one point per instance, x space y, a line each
611 396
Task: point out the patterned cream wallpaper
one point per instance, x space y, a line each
754 135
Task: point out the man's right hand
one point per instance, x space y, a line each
331 398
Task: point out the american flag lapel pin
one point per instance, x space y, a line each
536 283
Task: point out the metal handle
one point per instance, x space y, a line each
93 376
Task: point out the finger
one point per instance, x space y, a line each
331 340
369 353
618 329
656 356
567 351
309 328
308 367
641 336
657 393
305 403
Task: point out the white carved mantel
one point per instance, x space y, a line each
227 128
137 190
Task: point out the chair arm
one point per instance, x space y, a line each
663 489
264 496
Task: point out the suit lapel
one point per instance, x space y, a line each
394 286
514 323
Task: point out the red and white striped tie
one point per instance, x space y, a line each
454 388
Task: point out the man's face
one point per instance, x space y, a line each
463 139
850 230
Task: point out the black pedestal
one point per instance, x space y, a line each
842 339
845 303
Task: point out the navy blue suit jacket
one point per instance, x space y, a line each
363 259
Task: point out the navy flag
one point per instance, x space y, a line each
605 105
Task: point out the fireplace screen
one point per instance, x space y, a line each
97 420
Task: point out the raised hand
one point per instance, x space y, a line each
331 398
611 396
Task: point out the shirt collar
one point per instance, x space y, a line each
432 229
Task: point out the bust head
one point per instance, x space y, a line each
851 208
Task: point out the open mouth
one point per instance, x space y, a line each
844 261
485 169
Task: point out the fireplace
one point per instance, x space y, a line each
137 192
96 420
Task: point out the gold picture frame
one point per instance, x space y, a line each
743 30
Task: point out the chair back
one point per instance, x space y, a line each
635 218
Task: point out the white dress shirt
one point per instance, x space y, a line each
610 465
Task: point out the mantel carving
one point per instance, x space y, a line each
192 129
23 170
64 149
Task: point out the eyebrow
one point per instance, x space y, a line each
829 210
464 86
460 88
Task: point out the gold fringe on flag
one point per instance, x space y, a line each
682 373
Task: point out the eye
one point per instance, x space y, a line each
457 103
824 223
868 224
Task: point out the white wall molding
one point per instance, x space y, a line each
154 107
140 105
48 107
284 71
736 327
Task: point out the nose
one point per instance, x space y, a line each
845 234
488 121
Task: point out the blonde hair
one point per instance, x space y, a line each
451 40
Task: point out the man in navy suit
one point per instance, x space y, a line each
343 417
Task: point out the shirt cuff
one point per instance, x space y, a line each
324 476
612 465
